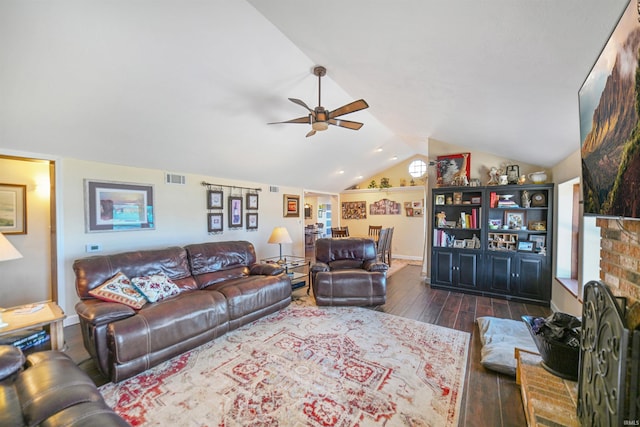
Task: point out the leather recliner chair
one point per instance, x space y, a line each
346 272
47 389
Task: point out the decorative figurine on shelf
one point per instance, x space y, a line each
526 201
494 173
373 184
522 179
442 219
384 183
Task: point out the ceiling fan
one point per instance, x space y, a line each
319 118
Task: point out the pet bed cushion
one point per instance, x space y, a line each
499 338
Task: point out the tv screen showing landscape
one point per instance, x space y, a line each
610 139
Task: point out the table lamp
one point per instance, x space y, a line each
280 235
7 252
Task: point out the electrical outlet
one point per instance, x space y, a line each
93 247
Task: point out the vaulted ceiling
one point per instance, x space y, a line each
189 86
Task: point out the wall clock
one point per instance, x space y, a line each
538 200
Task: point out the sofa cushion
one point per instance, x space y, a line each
119 289
11 361
214 262
155 287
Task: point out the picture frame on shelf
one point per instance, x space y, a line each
452 169
495 224
252 201
513 174
469 243
13 212
515 220
291 206
235 212
439 199
526 246
252 220
458 243
538 225
215 199
214 222
118 206
538 239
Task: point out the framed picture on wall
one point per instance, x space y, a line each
214 199
118 206
13 209
291 206
214 222
235 212
252 201
252 220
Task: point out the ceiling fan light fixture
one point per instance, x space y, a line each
320 126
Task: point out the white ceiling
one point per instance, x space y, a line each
188 86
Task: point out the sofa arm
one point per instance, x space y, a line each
374 266
11 361
318 267
97 312
265 269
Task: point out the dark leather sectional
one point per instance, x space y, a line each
222 288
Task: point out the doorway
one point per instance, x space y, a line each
33 277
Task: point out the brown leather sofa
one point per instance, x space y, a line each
346 272
222 288
48 389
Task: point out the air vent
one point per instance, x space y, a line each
274 189
173 178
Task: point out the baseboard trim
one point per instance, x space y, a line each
71 320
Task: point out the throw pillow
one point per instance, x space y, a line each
119 289
155 287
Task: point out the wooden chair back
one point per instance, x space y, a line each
382 239
374 232
339 232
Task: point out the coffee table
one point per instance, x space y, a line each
27 316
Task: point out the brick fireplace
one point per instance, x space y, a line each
620 257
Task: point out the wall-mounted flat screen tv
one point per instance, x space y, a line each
610 138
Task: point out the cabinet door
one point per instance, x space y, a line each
442 267
500 272
532 277
467 269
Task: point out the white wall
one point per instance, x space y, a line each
561 299
28 279
408 233
180 213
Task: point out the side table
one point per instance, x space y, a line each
21 317
296 267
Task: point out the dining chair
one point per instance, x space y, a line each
339 232
374 232
381 244
387 247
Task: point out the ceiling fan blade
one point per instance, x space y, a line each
311 133
358 105
346 124
300 103
304 120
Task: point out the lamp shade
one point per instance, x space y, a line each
7 251
280 235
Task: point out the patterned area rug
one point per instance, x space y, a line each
316 366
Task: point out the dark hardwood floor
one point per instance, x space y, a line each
490 399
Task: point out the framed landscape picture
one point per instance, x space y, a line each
13 209
118 206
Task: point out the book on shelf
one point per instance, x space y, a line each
26 339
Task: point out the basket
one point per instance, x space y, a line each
557 357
